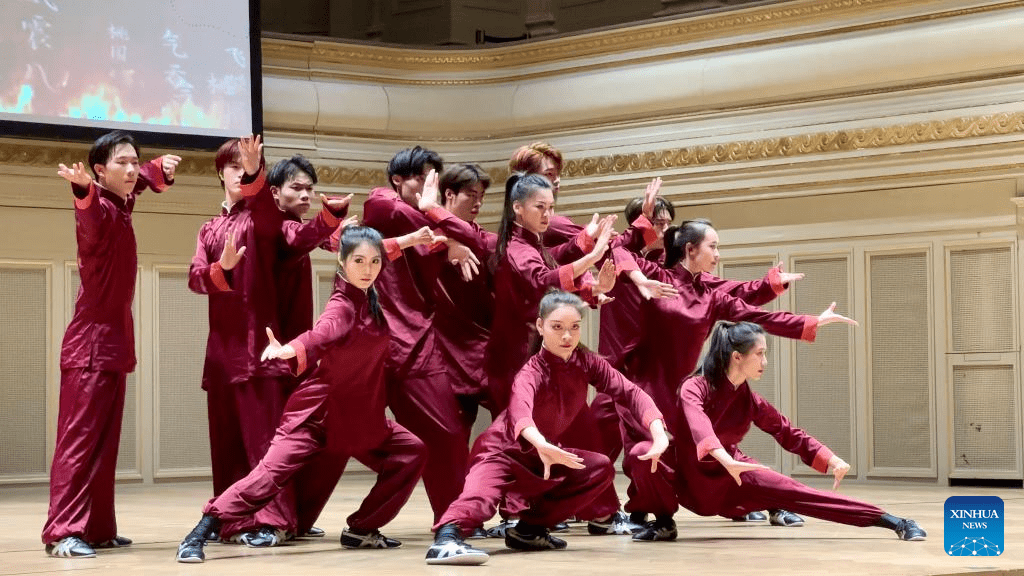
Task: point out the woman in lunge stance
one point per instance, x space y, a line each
339 408
715 477
514 457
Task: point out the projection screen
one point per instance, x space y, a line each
173 72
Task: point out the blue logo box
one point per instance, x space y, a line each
974 526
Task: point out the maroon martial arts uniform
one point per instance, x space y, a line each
294 274
336 413
526 272
462 318
549 393
719 417
245 398
97 354
674 330
420 393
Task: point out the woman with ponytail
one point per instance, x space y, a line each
714 477
527 454
337 413
674 329
526 270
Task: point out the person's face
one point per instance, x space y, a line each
549 170
704 257
121 171
409 186
231 175
295 195
751 365
662 220
536 211
362 266
560 331
466 204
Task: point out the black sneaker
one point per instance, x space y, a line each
785 518
313 532
190 551
264 537
116 542
532 538
448 548
638 518
70 547
502 527
191 548
909 530
661 529
477 534
617 523
373 539
755 516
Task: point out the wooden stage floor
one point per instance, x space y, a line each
158 516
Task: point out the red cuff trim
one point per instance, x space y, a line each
775 281
218 278
810 328
821 460
83 203
438 214
706 446
522 424
300 356
568 283
392 250
647 229
253 188
331 220
651 415
586 243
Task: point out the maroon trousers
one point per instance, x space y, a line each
426 404
607 418
85 458
585 433
767 490
648 491
242 420
549 502
761 490
398 462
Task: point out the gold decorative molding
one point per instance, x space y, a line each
36 154
799 145
308 54
341 176
48 155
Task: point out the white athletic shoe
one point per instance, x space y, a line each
455 553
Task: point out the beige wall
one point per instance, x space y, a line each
874 146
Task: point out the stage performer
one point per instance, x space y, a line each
339 409
98 350
715 477
514 457
235 264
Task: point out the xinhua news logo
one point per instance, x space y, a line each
974 526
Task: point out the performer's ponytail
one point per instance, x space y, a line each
726 338
678 237
518 189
